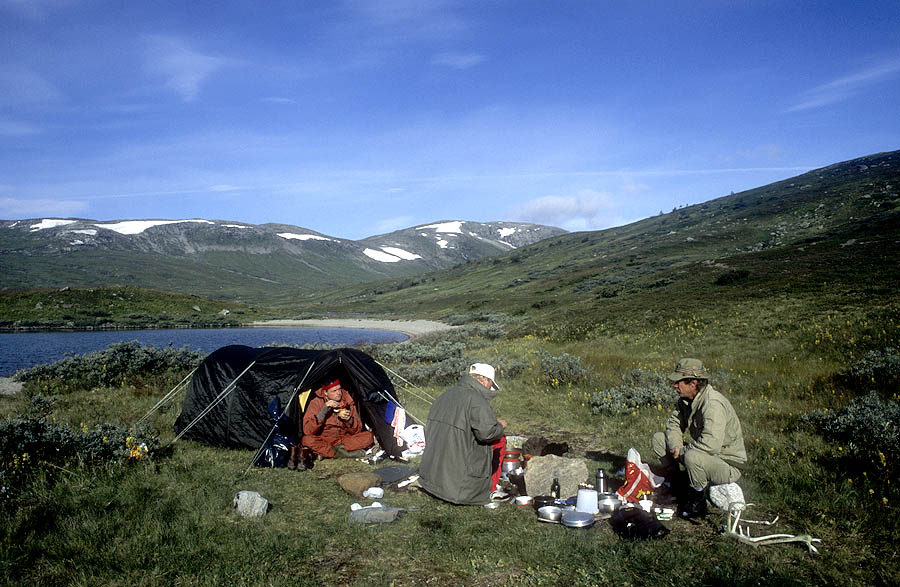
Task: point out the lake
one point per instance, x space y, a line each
21 350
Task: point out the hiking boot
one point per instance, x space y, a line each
499 495
342 453
293 458
694 505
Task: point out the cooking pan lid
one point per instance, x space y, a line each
577 519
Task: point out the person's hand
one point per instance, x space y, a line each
331 403
343 414
502 422
676 452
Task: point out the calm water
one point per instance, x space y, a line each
27 349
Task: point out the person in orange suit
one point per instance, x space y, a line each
331 424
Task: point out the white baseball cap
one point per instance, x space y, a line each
484 370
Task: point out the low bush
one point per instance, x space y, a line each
441 372
564 369
31 445
416 352
118 364
878 369
640 388
868 427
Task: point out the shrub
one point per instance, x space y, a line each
564 369
415 352
879 369
113 366
446 371
640 388
31 445
867 426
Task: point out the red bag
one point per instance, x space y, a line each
639 480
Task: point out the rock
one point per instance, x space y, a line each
356 483
9 386
251 504
196 308
540 472
225 312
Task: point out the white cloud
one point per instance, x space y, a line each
457 60
588 209
846 87
392 224
184 69
38 207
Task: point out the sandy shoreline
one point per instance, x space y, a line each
408 327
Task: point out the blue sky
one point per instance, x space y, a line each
355 118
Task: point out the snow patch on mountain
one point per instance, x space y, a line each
381 256
455 226
304 237
405 255
139 226
49 223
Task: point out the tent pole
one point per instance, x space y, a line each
166 398
286 406
228 389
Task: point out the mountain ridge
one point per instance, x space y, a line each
230 259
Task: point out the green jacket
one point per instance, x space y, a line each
714 427
460 430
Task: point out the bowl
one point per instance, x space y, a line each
549 513
607 503
524 500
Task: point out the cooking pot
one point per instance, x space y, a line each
607 503
524 500
577 519
542 500
549 513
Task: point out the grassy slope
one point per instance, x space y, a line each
119 306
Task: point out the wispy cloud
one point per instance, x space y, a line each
457 60
846 87
588 209
12 128
34 9
184 69
22 86
34 208
386 225
280 100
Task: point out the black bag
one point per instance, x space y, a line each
277 449
635 523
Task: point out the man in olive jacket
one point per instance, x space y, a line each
716 450
459 434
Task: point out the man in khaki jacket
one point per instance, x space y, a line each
716 450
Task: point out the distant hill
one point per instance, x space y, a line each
834 229
237 261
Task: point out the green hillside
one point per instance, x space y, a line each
832 232
118 307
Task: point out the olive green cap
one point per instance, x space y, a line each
688 369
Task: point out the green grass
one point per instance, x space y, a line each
171 521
